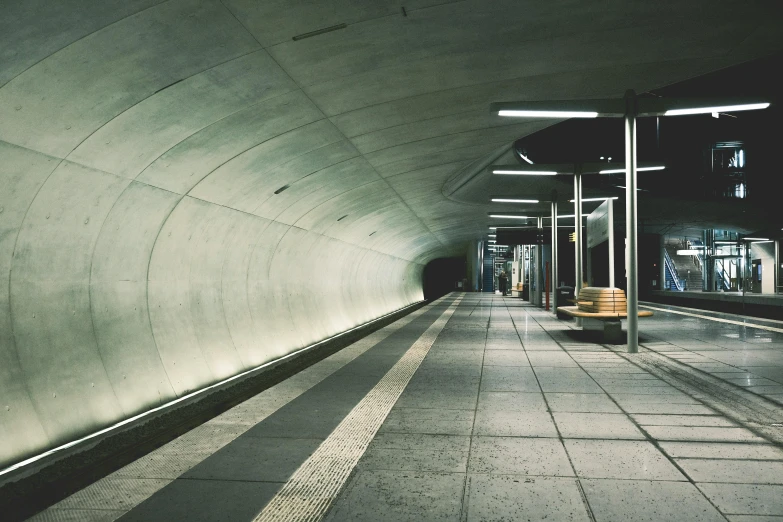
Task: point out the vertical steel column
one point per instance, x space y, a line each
554 251
481 266
632 270
539 262
776 272
610 219
578 232
662 264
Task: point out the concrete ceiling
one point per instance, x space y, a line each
215 100
188 192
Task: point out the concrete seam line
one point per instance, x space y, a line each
716 319
312 488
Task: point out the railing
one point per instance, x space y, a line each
676 283
723 275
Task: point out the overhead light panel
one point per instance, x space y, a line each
503 216
638 169
593 199
525 172
755 239
712 110
548 114
502 200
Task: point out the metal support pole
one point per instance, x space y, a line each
546 285
610 218
481 266
632 270
554 251
578 232
539 262
776 272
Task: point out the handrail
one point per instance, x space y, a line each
723 275
672 271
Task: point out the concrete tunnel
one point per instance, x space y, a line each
193 188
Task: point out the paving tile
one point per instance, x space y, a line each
113 493
704 433
576 386
556 359
256 459
620 459
76 515
596 426
497 423
428 420
205 500
516 498
523 402
161 465
647 501
509 378
581 402
417 452
519 456
745 499
392 496
505 358
462 400
739 471
665 408
682 420
722 450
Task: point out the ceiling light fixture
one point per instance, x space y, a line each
503 216
594 199
712 110
548 114
502 200
638 169
525 172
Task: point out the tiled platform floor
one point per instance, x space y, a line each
512 415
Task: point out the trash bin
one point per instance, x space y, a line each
565 296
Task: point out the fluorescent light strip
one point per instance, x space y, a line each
526 158
765 241
501 200
503 216
638 169
710 110
124 422
526 172
593 199
548 114
755 239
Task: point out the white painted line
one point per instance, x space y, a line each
716 319
313 487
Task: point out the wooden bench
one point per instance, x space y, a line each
601 309
518 288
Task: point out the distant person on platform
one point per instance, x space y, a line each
503 278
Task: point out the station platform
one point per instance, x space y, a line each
480 407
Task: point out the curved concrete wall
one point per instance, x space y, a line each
187 192
124 295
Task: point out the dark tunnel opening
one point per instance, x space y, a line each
444 275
